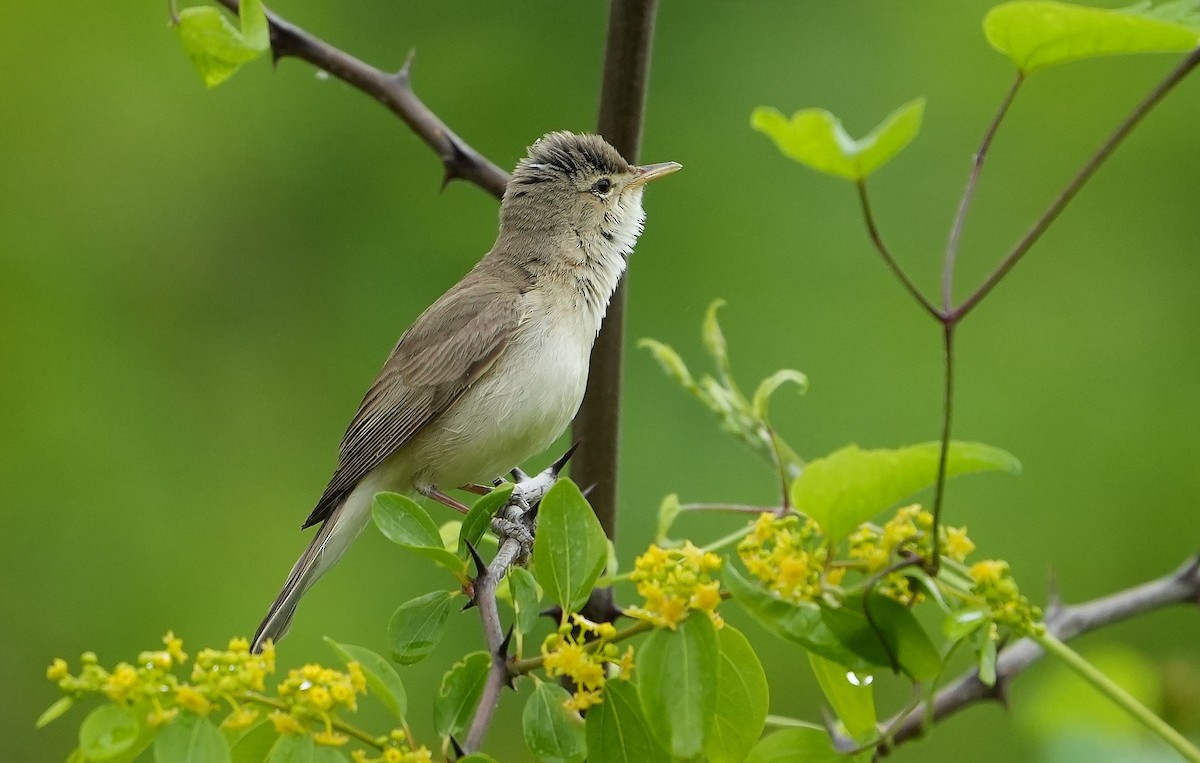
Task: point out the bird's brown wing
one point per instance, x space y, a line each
445 351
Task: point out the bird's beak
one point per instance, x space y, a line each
648 172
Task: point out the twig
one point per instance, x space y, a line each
622 111
897 270
459 159
1085 173
939 493
1180 587
969 194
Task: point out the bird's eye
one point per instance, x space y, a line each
602 186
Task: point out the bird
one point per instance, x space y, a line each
494 370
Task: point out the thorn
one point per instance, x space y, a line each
841 742
458 750
562 460
588 490
452 161
497 482
502 650
406 70
481 569
518 474
1054 602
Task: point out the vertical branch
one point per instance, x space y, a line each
622 109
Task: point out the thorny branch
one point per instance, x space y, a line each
1063 622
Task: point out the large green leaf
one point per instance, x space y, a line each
417 626
190 739
852 699
851 485
216 48
300 748
799 623
553 734
617 730
816 139
801 745
255 745
743 699
895 635
382 679
523 589
405 523
570 549
108 731
462 686
677 681
1040 34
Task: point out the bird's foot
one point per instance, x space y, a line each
517 519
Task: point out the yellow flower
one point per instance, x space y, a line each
988 571
175 648
358 680
330 738
158 716
191 699
393 755
787 555
285 723
318 697
57 670
673 582
120 683
240 718
956 544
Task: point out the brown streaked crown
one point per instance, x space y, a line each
560 154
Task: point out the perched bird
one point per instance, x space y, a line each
494 370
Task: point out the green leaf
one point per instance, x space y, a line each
255 745
462 686
417 626
55 711
570 549
382 679
816 139
405 523
896 635
617 730
476 757
300 748
553 733
670 361
524 592
853 700
108 731
215 47
742 700
769 385
190 739
851 485
963 623
668 511
479 518
1040 34
677 681
987 662
714 339
798 623
800 745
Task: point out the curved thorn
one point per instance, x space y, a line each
562 460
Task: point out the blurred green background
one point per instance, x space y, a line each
196 288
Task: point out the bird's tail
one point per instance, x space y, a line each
330 542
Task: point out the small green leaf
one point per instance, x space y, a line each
55 711
479 519
762 395
987 662
677 681
405 523
417 626
108 731
1040 34
799 623
852 699
851 485
816 139
382 679
570 549
190 739
714 339
670 361
896 635
301 748
801 745
742 700
617 730
668 511
255 745
963 623
256 32
476 757
462 686
215 47
524 592
552 732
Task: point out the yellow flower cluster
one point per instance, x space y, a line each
787 554
395 751
876 547
316 692
580 650
674 582
992 581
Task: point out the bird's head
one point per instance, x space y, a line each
581 185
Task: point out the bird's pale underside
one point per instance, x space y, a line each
494 371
